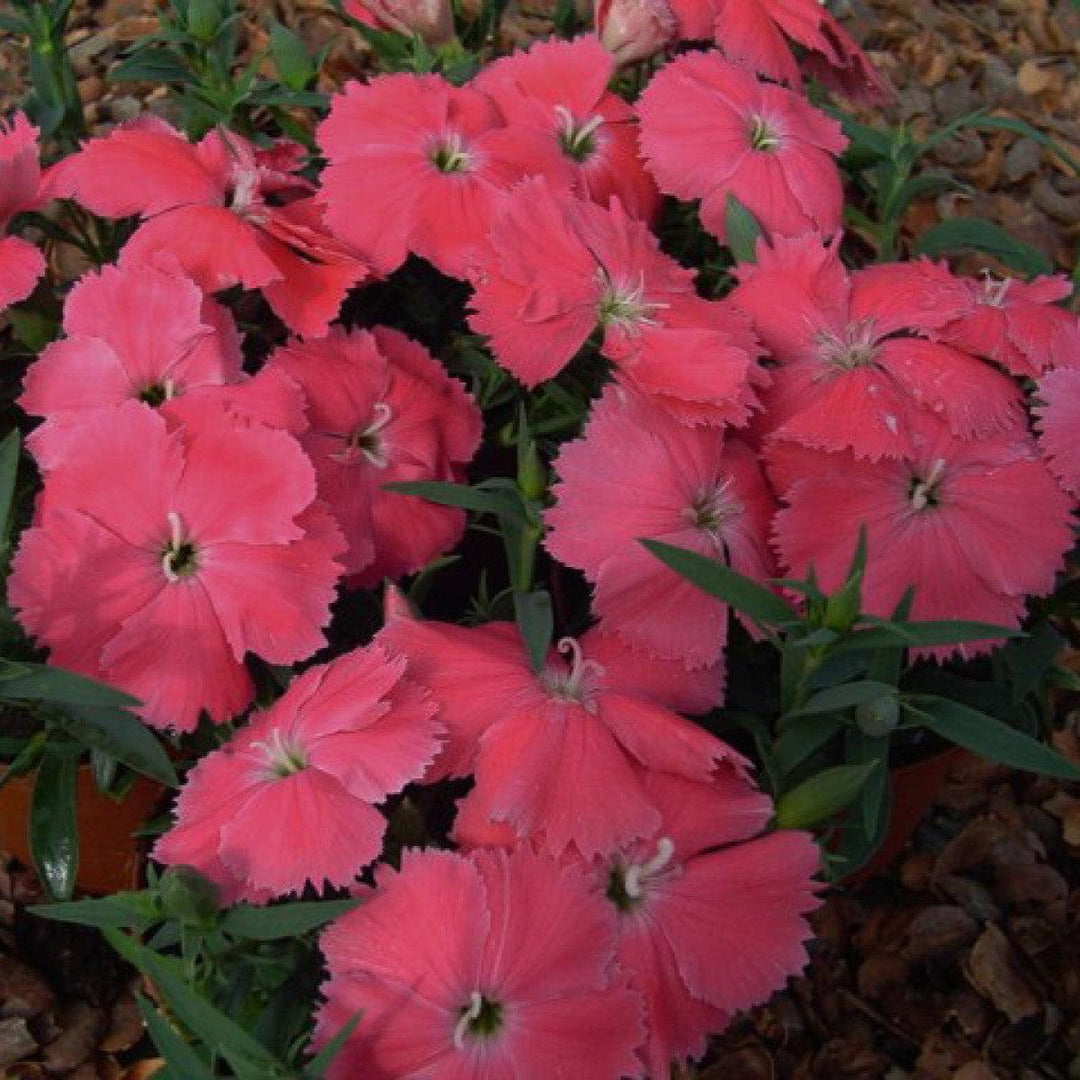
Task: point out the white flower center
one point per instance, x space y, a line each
578 684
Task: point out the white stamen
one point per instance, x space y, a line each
994 291
920 495
577 684
176 538
366 442
638 874
476 1003
283 758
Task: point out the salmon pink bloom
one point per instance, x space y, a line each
477 673
634 30
710 920
413 168
1016 324
1059 423
975 525
710 129
760 34
343 737
854 367
558 756
381 409
21 263
564 123
636 474
224 209
160 557
432 20
135 331
557 268
505 971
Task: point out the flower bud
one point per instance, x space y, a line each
188 896
634 30
432 20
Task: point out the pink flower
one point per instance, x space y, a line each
634 30
564 123
854 367
481 677
505 971
138 330
757 33
413 168
21 263
207 204
636 474
381 409
343 737
1014 323
1059 423
975 525
432 20
160 557
557 268
710 921
710 129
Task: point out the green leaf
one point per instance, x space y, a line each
822 796
325 1057
884 634
9 469
284 920
462 496
181 1059
247 1057
124 737
153 65
121 911
743 230
798 741
54 831
536 623
846 696
1029 661
26 758
42 682
977 234
290 57
742 593
986 736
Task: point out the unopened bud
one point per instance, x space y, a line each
634 30
188 896
432 20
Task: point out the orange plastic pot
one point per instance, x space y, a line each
110 857
912 790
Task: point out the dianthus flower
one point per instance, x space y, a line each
710 920
1016 324
636 474
381 409
21 263
557 268
160 557
710 129
758 33
1058 413
506 971
137 330
228 212
854 367
564 123
975 525
413 168
477 674
289 799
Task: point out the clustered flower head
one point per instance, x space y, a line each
211 506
